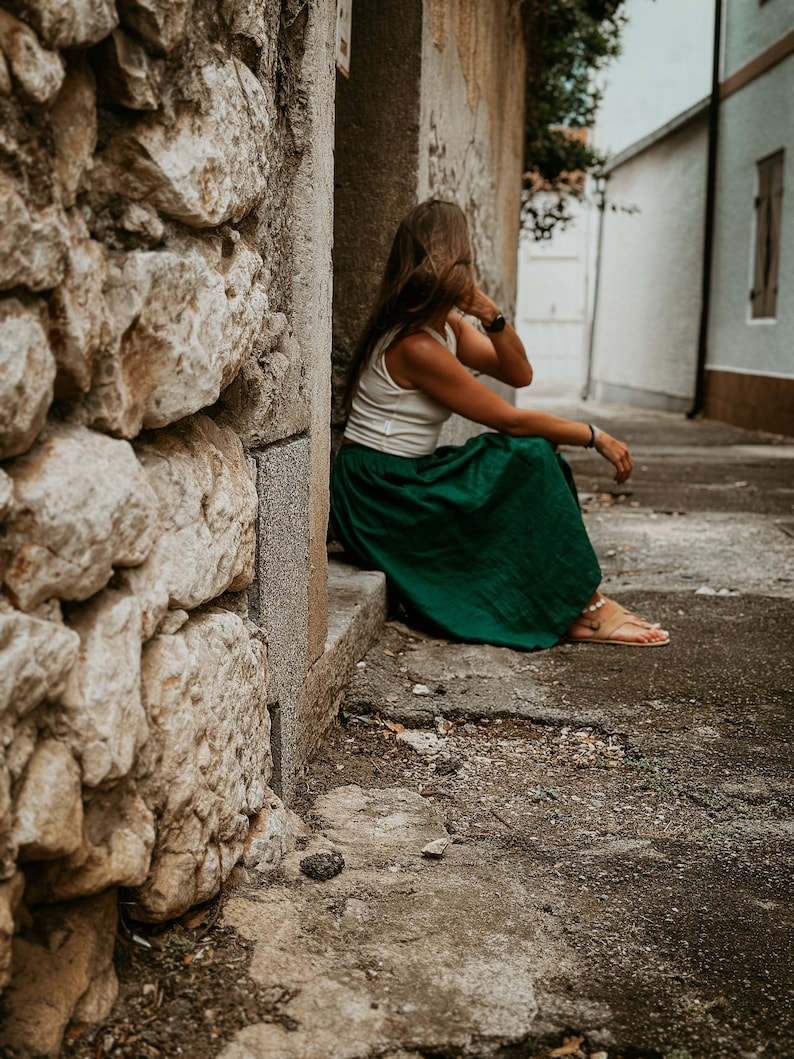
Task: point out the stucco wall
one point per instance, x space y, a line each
754 122
648 309
434 106
165 236
471 139
376 157
471 131
750 28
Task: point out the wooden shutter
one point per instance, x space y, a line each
768 216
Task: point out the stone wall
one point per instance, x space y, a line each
165 232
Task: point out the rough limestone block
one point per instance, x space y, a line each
268 400
208 503
130 76
205 166
83 504
272 833
97 1002
6 496
37 659
116 849
183 321
38 72
75 24
6 820
102 710
78 326
10 897
5 76
54 966
206 765
27 374
73 122
33 242
20 743
251 18
147 585
142 219
49 811
161 23
8 851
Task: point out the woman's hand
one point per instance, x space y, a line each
617 453
500 355
480 306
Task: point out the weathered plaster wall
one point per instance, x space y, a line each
750 28
471 139
649 293
434 106
376 154
472 128
165 234
737 342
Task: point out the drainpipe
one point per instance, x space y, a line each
708 234
601 198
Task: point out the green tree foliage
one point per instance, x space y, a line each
568 43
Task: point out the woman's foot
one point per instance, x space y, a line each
605 621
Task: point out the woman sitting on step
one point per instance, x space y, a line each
485 541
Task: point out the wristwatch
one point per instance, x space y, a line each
496 325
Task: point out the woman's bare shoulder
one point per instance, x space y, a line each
420 353
420 344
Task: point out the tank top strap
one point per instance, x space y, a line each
448 339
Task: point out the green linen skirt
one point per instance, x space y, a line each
484 541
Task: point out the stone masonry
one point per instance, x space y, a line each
165 234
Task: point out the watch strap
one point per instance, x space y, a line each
496 325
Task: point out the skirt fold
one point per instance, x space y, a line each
485 541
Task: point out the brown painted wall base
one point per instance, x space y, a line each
756 402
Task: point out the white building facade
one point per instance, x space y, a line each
657 334
749 371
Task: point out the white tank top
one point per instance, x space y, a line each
389 418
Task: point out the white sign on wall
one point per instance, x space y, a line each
344 10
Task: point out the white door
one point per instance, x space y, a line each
552 307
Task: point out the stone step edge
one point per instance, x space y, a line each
357 606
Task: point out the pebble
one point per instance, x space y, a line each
424 743
435 849
446 766
421 689
322 866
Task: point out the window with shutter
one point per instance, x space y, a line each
768 215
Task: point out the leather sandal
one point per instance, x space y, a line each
603 627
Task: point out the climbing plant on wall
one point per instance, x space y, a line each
568 43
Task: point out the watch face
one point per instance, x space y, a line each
498 324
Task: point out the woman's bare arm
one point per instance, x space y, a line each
501 354
420 361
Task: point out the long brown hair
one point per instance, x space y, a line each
428 272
